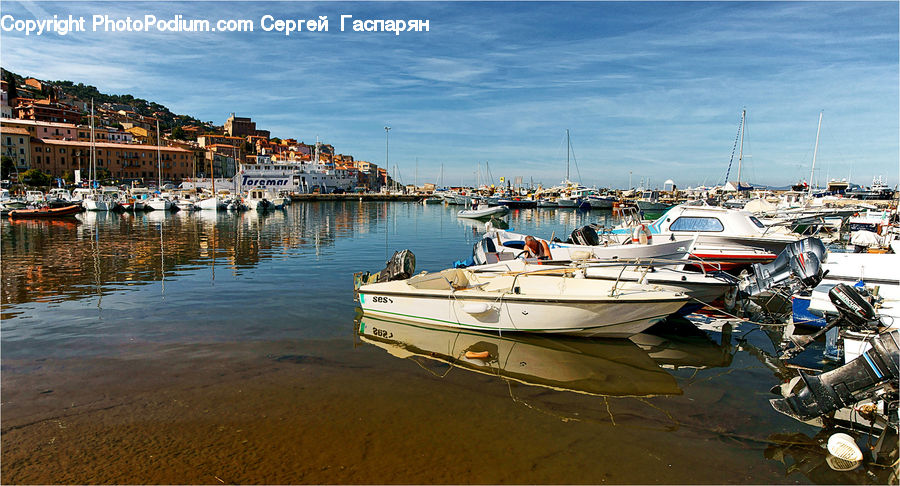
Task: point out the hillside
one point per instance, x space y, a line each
83 92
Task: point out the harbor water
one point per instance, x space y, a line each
226 348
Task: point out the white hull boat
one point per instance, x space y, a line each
509 245
483 212
159 204
211 204
95 204
525 302
703 287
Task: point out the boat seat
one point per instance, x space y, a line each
450 279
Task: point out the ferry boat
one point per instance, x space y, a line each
284 176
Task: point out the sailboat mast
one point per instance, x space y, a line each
812 172
91 167
741 153
567 155
158 159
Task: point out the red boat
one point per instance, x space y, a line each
45 212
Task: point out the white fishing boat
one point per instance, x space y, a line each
158 202
732 237
256 200
657 273
94 200
527 302
649 201
584 244
482 212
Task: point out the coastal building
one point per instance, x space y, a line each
43 129
105 134
210 140
237 126
47 110
5 108
16 144
123 161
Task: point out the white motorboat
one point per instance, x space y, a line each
482 212
602 367
732 237
506 245
96 202
186 205
256 200
660 274
527 302
212 203
159 203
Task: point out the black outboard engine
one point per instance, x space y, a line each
585 236
801 260
854 313
855 381
400 266
853 308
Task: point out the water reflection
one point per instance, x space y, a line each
605 367
56 260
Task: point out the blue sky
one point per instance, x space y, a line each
651 88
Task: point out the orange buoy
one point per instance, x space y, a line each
477 354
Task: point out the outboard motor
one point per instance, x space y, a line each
585 236
400 266
813 245
805 267
854 312
853 308
862 378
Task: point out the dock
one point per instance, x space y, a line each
355 197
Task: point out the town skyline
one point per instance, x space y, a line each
654 90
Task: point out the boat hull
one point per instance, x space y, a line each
43 213
521 303
482 213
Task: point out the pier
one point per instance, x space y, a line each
356 197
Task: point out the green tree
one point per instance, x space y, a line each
178 133
103 175
69 177
13 92
7 167
35 177
248 148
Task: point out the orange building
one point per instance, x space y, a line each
48 111
123 161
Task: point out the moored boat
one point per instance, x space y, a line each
526 302
45 212
482 212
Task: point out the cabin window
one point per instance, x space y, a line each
693 223
757 222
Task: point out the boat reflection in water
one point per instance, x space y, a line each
678 343
593 366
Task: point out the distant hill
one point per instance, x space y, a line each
147 108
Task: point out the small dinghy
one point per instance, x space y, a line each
484 212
